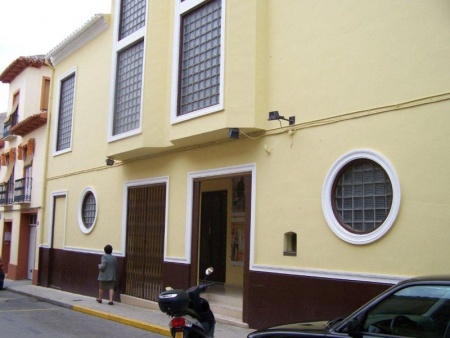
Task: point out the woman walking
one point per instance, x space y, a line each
107 274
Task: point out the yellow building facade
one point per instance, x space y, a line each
296 146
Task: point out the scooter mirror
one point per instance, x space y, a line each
209 271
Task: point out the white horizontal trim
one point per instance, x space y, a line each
129 133
341 275
82 250
92 251
176 260
192 115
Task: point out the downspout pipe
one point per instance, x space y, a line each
44 174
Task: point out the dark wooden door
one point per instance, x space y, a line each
213 234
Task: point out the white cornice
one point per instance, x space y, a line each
330 274
79 38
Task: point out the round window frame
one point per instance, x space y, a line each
81 224
327 199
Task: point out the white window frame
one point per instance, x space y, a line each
119 46
51 216
181 8
63 77
327 207
81 224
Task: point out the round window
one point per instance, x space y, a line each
87 211
361 197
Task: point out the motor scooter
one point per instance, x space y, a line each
190 313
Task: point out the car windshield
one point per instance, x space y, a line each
413 312
416 300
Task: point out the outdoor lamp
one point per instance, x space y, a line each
274 115
109 161
233 133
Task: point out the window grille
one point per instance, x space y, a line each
132 17
89 210
199 85
65 113
33 220
10 189
363 196
128 89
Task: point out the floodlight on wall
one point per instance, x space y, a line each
233 133
109 161
274 115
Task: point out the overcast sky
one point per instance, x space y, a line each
32 27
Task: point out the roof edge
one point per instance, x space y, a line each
92 28
19 65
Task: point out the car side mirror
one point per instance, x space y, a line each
353 328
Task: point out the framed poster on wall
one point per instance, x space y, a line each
238 222
237 239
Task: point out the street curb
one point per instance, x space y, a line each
123 320
42 299
115 318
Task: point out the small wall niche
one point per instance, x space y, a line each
290 244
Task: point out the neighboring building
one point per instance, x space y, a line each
2 118
22 152
308 217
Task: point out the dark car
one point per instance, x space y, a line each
2 274
418 307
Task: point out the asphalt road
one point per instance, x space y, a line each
26 317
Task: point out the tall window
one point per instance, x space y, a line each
28 180
13 117
45 93
66 101
16 100
128 89
132 17
129 61
199 63
10 189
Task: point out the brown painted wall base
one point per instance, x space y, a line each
273 299
176 275
276 299
77 272
74 271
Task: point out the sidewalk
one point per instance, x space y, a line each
145 319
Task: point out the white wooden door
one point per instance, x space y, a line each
31 252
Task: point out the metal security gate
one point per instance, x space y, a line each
145 241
